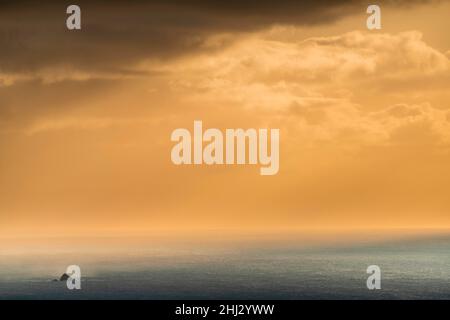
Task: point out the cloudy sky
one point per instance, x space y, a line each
86 116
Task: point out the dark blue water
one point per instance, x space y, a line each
417 269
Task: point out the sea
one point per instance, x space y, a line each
410 269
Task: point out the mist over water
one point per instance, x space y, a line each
411 269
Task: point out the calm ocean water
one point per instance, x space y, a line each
415 269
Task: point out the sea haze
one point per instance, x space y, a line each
415 268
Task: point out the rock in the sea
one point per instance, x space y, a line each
64 277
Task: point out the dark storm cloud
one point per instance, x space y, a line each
116 34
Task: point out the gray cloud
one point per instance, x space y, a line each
119 33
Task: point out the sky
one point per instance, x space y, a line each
86 116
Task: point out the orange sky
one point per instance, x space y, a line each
86 118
